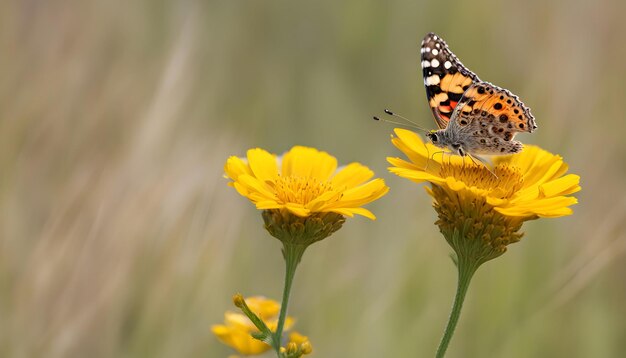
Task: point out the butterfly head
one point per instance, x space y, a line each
433 136
441 139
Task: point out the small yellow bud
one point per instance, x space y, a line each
292 348
238 300
282 350
306 348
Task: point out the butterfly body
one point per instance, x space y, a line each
473 139
473 116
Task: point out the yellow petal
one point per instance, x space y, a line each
545 174
493 201
239 320
308 162
362 194
400 163
351 175
263 165
297 209
223 333
264 307
416 175
254 185
240 340
422 155
241 189
322 201
235 166
298 338
549 207
561 186
268 204
272 324
354 211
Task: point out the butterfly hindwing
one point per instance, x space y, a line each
482 138
445 78
487 119
498 108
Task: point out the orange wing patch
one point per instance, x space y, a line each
456 83
498 105
451 89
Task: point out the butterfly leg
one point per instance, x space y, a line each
483 162
463 161
432 157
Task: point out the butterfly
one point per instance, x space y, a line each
473 116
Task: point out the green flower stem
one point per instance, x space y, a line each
292 254
466 268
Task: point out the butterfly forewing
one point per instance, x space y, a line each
445 78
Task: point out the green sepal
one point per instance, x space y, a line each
263 337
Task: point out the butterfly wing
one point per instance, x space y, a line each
497 108
445 78
488 117
478 137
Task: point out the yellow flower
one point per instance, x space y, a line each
480 209
237 328
297 338
526 186
529 184
302 342
304 198
304 182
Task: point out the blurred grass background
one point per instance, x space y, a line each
120 238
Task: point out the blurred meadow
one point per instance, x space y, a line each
120 238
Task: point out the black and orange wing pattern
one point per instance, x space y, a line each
496 108
445 78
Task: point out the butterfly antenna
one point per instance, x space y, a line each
428 154
406 122
389 112
394 122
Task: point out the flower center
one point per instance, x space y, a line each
506 181
300 190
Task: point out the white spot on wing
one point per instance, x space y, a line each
432 80
434 63
435 52
425 64
447 65
438 45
